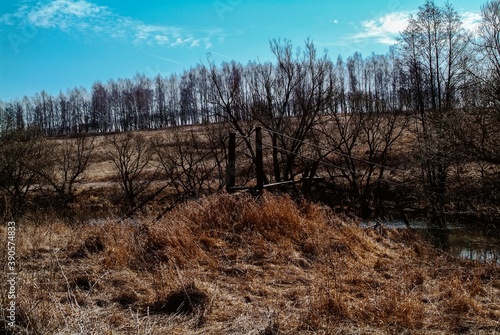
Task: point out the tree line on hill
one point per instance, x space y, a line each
440 82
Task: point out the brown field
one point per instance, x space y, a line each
234 264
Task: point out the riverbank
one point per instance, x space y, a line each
233 264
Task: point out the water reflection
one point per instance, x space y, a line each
439 237
468 243
485 255
462 240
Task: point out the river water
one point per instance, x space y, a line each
462 240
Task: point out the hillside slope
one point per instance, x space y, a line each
233 264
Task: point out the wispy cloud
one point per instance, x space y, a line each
220 55
168 60
88 17
65 13
387 28
384 29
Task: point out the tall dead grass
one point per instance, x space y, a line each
235 264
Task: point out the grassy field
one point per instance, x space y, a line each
234 264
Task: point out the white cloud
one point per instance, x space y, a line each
161 35
87 17
471 21
162 39
184 41
384 29
65 13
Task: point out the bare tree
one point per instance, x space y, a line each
357 136
488 50
479 126
173 100
191 162
227 88
23 153
435 49
285 98
307 96
68 162
160 114
132 155
100 119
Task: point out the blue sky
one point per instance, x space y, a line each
60 44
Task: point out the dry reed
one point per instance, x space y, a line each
235 264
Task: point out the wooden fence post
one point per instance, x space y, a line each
231 163
276 166
259 160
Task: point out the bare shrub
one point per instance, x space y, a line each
23 154
132 158
68 162
193 162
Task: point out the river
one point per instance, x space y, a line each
463 240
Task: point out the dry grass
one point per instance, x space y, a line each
233 264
